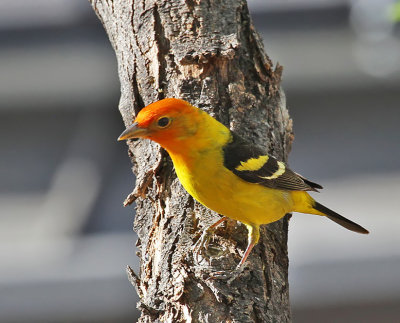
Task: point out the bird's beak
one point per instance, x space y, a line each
133 131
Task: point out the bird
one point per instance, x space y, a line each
226 173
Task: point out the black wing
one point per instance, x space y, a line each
251 164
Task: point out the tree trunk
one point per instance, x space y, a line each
208 53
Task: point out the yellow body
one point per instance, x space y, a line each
203 175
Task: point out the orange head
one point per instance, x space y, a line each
168 122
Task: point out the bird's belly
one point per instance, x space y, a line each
233 197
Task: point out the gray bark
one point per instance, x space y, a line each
208 53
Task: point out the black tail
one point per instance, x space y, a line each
340 219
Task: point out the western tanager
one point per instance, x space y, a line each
224 172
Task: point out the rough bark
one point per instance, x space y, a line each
208 53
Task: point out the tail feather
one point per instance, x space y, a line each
332 215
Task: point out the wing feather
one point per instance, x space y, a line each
252 165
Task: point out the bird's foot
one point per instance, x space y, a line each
201 244
205 237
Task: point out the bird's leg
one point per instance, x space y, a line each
206 235
253 237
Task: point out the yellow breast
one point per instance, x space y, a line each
216 187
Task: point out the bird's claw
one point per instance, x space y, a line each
201 243
205 237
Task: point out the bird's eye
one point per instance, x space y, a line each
163 122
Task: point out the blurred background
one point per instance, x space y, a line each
65 238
